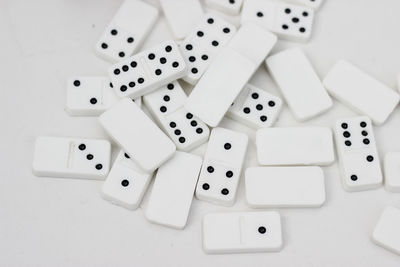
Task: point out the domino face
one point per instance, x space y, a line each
242 232
166 106
229 73
181 15
231 7
285 187
392 171
295 146
203 44
173 189
137 135
255 108
64 157
290 22
126 183
222 166
361 92
299 84
148 70
357 153
387 232
127 30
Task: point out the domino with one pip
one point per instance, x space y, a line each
288 21
242 232
126 183
391 170
222 167
295 146
285 187
166 106
148 70
229 73
127 30
137 135
387 232
361 92
66 157
358 155
299 84
231 7
172 193
181 15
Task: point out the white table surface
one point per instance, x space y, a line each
61 222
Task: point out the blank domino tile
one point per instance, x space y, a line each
255 107
392 171
181 15
387 232
229 73
148 70
137 135
231 7
71 157
299 84
358 155
126 183
361 92
285 187
126 32
172 193
295 146
289 21
222 167
242 232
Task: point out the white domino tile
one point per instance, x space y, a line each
358 155
173 189
242 232
255 108
295 146
299 84
148 70
391 169
285 187
166 106
181 15
204 43
126 183
222 167
230 7
127 30
137 135
289 21
361 92
229 73
387 231
65 157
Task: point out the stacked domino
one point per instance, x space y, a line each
218 60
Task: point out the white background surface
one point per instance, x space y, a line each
61 222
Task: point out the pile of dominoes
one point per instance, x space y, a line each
218 59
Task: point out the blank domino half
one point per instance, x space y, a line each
127 30
285 187
242 232
126 183
137 135
295 146
66 157
172 193
391 171
181 15
358 155
361 92
299 84
387 231
228 73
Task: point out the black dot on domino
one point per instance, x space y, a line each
77 83
259 107
121 54
254 95
172 124
210 21
260 14
125 68
175 64
104 45
226 30
170 86
363 124
93 101
263 118
151 56
354 177
124 183
246 110
193 123
192 59
271 103
194 70
344 125
99 166
346 134
370 158
204 57
227 146
114 32
126 156
205 186
123 88
189 116
182 140
158 72
200 34
166 98
130 40
199 130
229 174
163 60
177 132
163 109
82 147
262 230
210 169
89 156
225 191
